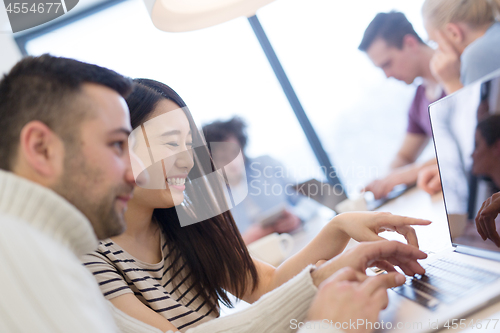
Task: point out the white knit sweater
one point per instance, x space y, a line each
45 288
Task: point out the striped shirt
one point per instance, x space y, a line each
118 273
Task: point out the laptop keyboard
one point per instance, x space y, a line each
445 281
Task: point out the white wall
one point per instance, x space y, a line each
9 52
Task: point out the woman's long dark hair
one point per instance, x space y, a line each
213 249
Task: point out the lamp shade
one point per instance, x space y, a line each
189 15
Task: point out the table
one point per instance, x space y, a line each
414 203
417 203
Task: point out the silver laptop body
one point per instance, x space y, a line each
464 277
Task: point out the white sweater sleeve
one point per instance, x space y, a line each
44 288
281 310
276 311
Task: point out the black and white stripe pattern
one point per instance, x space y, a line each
118 273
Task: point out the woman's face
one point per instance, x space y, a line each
168 144
483 157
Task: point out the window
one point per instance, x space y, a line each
221 71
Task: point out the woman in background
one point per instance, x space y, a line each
172 276
468 35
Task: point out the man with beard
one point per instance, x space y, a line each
65 179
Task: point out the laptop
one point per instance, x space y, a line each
323 193
334 196
465 276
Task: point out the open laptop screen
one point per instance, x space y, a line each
466 130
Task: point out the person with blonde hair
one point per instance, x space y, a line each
468 34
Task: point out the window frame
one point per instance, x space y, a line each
324 161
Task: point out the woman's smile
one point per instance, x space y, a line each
177 182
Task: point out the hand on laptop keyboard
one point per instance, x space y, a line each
383 254
350 296
445 280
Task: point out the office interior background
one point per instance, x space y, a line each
358 114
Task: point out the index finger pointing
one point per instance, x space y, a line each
398 220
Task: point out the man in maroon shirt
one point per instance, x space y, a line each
392 44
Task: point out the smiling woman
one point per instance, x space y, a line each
173 265
169 268
167 138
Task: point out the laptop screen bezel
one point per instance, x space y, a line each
466 249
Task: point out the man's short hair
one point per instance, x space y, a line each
220 131
46 89
392 27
